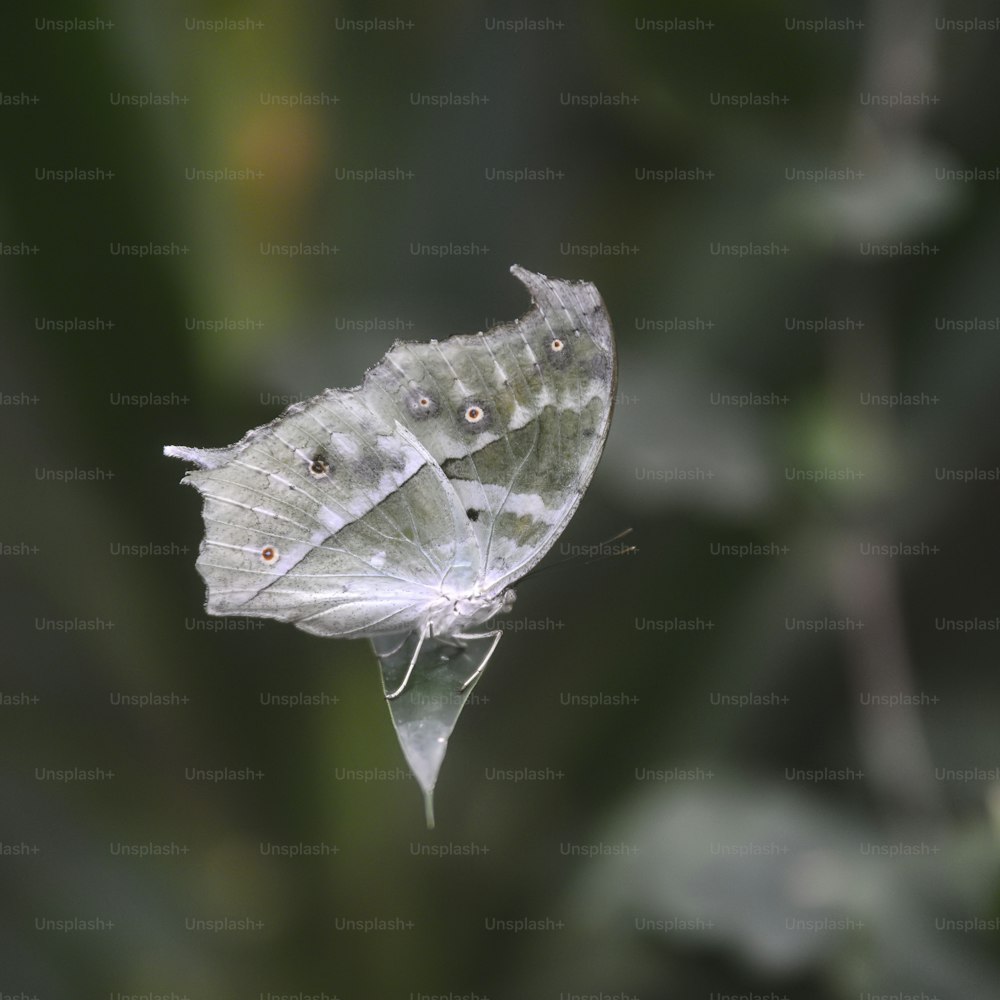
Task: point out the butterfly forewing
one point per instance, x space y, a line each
517 417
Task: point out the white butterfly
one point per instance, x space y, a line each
407 507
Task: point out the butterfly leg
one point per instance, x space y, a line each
409 670
477 673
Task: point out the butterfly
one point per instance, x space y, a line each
405 509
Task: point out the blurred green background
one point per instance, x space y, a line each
763 752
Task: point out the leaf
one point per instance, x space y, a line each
425 713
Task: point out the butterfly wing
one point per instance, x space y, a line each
517 417
453 468
329 519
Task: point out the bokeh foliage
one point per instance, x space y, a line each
703 847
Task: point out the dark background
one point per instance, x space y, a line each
764 751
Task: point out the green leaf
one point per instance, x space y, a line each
426 711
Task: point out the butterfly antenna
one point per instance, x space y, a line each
626 550
592 554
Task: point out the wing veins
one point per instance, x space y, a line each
347 418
